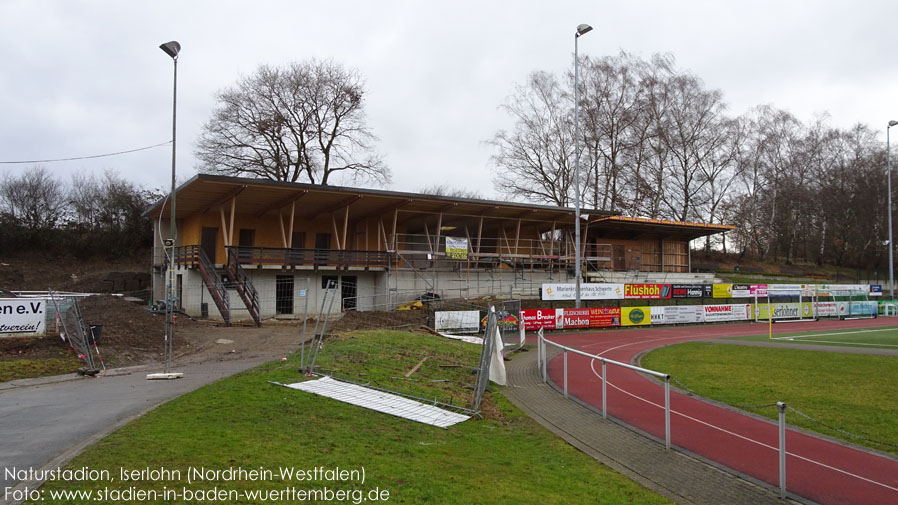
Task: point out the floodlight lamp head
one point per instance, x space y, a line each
583 29
892 123
171 48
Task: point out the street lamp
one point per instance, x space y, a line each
889 186
582 29
172 49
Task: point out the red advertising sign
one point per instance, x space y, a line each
603 317
647 291
535 319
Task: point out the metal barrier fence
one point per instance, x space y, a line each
543 360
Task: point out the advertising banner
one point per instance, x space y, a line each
875 289
507 321
757 289
741 291
646 291
636 316
677 314
688 291
461 321
535 319
22 316
718 313
604 317
783 310
456 248
830 309
588 291
722 290
575 318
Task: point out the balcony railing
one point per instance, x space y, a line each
309 257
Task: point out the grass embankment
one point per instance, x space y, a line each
849 391
245 422
29 368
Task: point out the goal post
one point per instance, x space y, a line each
775 305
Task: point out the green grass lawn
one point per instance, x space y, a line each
28 368
245 422
852 392
873 338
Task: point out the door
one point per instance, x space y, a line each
283 294
209 242
620 259
322 246
349 292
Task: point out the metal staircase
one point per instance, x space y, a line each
244 287
213 282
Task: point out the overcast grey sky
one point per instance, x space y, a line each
87 77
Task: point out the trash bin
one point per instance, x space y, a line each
96 330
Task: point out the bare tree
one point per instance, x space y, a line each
535 161
34 200
446 190
303 122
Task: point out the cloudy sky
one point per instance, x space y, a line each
82 77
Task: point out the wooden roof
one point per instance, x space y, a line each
259 197
633 228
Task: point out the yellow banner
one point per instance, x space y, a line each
722 290
456 248
636 316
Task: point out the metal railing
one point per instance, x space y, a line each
543 360
309 257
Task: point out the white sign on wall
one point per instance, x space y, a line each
588 291
22 316
677 314
737 312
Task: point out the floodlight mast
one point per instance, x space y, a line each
581 30
172 49
889 189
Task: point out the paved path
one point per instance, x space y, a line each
45 423
678 476
818 469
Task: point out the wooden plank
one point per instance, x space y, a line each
415 369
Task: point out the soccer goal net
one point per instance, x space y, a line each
848 304
786 305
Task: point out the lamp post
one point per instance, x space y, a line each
889 186
582 29
172 49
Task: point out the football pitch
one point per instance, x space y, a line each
873 338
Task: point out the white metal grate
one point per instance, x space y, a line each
379 401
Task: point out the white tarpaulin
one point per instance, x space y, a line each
497 362
379 401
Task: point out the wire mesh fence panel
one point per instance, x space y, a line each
490 334
70 326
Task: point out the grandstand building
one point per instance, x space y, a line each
254 249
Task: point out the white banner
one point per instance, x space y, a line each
716 313
588 291
462 321
677 314
22 316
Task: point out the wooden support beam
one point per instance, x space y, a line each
393 239
280 204
283 235
427 234
336 233
345 226
225 199
439 231
224 228
517 237
479 233
231 229
292 215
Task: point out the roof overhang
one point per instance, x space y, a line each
204 193
640 227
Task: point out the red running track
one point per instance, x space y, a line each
817 469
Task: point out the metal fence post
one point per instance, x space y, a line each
781 406
545 359
604 390
667 412
565 373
